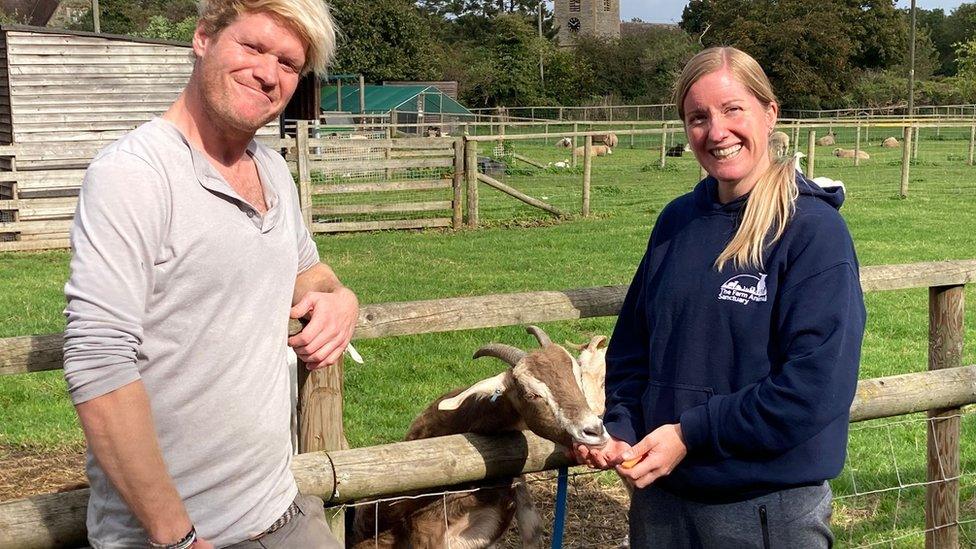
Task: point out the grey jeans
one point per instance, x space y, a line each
307 529
796 518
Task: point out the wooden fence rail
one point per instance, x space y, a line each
58 520
24 354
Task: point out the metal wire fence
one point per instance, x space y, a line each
879 499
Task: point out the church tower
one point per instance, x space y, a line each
578 17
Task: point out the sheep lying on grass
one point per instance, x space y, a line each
598 150
827 140
849 153
609 139
890 143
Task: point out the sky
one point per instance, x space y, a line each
669 11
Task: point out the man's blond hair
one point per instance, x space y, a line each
310 19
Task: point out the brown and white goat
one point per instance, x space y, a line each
539 391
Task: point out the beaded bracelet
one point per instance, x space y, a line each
188 540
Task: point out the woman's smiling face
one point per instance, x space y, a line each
728 129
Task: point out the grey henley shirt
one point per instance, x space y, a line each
176 281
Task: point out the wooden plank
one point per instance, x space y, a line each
422 153
94 80
587 174
48 38
528 160
357 166
515 193
141 98
456 182
352 226
405 143
471 181
106 49
84 71
58 520
345 209
41 207
918 275
383 186
147 109
175 59
46 179
97 88
48 226
34 245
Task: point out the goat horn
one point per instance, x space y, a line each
511 355
540 335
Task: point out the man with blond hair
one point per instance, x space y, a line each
189 257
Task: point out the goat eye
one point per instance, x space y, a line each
531 396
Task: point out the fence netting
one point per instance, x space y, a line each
879 499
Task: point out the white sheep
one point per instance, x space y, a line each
565 142
609 139
598 150
779 144
890 143
826 140
849 153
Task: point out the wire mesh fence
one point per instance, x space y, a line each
879 499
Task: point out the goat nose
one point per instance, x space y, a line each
594 431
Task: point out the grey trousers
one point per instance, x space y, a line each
307 529
797 518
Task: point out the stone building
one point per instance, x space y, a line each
580 17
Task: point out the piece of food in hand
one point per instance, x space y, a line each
631 462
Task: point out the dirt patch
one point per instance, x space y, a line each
29 471
596 509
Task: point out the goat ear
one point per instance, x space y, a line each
597 342
482 389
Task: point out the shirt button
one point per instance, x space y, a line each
250 213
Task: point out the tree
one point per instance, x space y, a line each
480 8
638 67
812 50
384 40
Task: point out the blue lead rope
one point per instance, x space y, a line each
560 521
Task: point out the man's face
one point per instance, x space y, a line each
249 70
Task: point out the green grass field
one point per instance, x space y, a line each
521 249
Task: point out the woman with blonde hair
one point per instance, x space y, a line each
733 364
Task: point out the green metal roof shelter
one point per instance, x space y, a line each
383 99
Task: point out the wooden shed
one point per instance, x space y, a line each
64 95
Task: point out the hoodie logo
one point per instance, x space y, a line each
744 288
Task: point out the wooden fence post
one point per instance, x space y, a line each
857 146
575 131
304 173
587 168
456 182
972 143
811 152
664 143
471 180
915 141
796 135
946 307
633 127
320 419
906 160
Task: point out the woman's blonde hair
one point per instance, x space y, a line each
309 18
773 198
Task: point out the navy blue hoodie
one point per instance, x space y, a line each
759 366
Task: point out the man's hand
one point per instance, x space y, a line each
332 319
658 454
604 457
